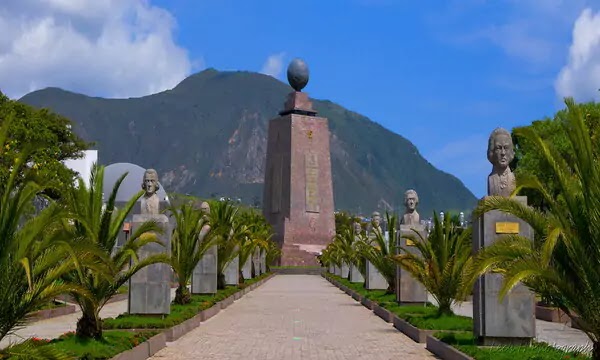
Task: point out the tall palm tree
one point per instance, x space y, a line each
187 246
380 252
562 263
442 263
32 258
95 224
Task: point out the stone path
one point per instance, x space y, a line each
295 317
54 327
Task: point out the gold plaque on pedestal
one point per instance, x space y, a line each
507 228
409 242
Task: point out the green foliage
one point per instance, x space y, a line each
561 264
95 226
369 162
32 258
343 221
466 343
111 344
187 246
529 161
441 263
256 238
53 140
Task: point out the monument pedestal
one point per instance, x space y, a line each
204 277
511 321
232 272
247 269
150 288
355 275
263 261
408 289
345 270
298 191
375 281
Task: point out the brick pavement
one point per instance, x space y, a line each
295 317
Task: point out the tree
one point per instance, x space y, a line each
380 252
528 161
561 263
227 230
55 142
32 258
96 225
256 237
442 263
187 246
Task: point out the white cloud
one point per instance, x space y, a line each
274 65
580 77
114 48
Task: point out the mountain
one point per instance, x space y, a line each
207 137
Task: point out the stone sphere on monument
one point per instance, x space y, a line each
297 74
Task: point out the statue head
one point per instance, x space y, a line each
500 149
150 182
357 227
411 200
376 219
205 208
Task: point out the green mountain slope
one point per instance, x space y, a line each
207 137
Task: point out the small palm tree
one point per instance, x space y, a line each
562 262
256 237
272 253
380 252
228 231
187 247
442 263
97 225
32 258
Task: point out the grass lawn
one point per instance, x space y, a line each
112 343
465 342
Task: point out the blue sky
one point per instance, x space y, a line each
441 73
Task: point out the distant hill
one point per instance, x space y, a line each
207 137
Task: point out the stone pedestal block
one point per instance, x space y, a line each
232 271
337 270
355 275
263 262
408 289
512 320
331 269
344 272
149 288
247 269
374 280
298 190
204 277
256 261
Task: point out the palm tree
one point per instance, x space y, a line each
380 252
562 262
256 237
97 225
228 231
272 253
442 262
32 258
187 247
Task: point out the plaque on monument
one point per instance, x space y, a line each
512 320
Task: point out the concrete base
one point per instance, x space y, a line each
374 280
232 274
345 271
150 288
511 320
204 277
247 269
355 275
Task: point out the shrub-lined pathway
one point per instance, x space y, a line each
295 317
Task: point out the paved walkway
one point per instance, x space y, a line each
294 317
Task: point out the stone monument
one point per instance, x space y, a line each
247 268
408 289
263 261
232 271
512 320
298 191
204 276
374 280
149 288
355 274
